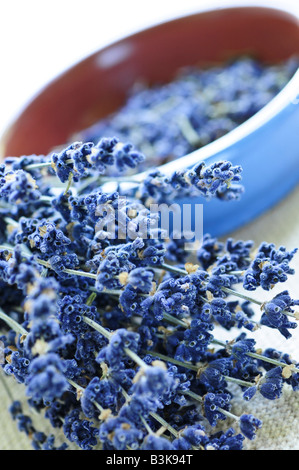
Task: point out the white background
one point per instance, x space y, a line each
40 38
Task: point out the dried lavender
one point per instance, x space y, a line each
114 337
167 121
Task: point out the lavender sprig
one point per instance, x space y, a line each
114 338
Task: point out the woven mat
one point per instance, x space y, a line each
280 418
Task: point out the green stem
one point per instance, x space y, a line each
145 424
173 269
136 358
97 327
243 383
127 397
104 332
219 343
259 357
201 400
164 423
116 292
187 365
157 417
195 368
108 335
74 272
12 323
75 385
91 298
81 390
69 184
7 248
180 271
271 361
98 406
137 178
241 296
174 320
250 299
37 166
103 179
46 199
10 221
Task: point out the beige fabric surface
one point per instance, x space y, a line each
280 418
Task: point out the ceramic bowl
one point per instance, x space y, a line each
266 145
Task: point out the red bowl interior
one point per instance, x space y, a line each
99 84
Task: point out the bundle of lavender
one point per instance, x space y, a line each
111 326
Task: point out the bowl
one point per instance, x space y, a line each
266 145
